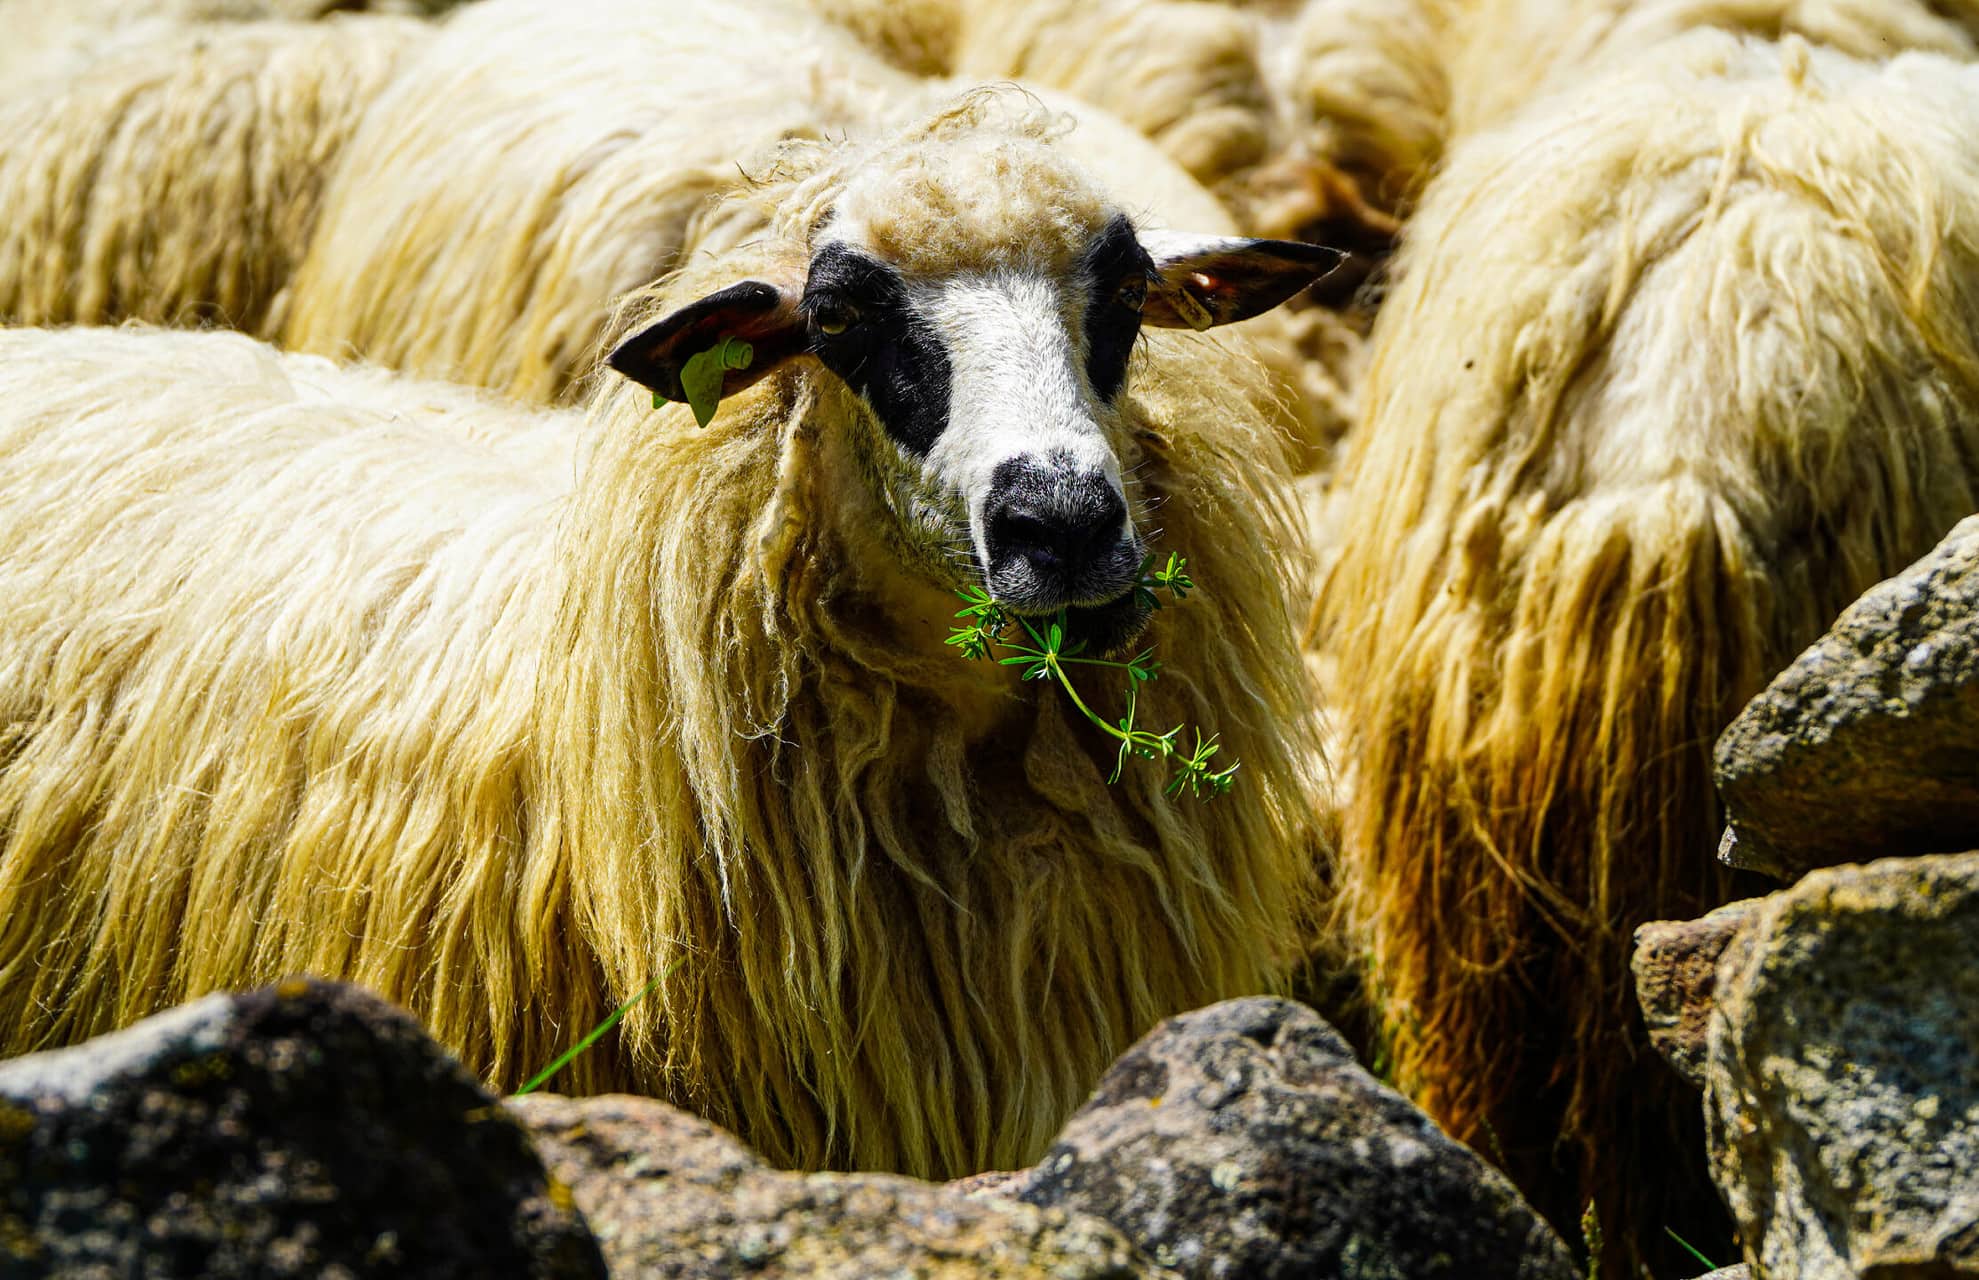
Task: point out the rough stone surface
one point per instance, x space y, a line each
1676 975
1243 1140
1842 1102
670 1195
1740 1272
307 1129
1869 743
981 1184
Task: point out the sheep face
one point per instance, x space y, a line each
985 330
994 390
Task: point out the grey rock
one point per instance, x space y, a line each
670 1195
1740 1272
1869 742
1243 1140
1842 1098
1676 976
307 1129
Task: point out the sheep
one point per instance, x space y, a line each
177 180
1675 365
508 717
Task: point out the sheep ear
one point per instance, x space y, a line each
1202 281
756 313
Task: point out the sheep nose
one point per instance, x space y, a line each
1056 536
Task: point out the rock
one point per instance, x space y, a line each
1740 1272
669 1195
980 1184
1842 1099
307 1129
1869 743
1243 1140
1676 972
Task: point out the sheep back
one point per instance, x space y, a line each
177 179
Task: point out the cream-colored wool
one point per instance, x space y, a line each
178 180
1515 50
58 38
292 683
540 159
1196 78
1675 366
1374 90
1366 86
1185 74
915 35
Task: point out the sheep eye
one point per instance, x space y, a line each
834 318
1133 293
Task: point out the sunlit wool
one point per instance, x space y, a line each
1675 366
1198 79
301 673
1378 89
1365 85
540 159
1512 51
62 38
177 179
915 35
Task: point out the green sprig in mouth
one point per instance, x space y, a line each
1044 651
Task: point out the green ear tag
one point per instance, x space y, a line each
702 376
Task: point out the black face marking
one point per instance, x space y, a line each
862 329
1119 271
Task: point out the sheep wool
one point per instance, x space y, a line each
1365 85
915 35
1512 51
52 40
538 160
507 716
1675 366
177 179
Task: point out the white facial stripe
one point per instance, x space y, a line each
1015 386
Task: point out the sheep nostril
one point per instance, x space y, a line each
1050 531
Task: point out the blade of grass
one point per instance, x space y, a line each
1691 1249
595 1034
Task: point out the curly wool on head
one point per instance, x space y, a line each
506 737
1677 364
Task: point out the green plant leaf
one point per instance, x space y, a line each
1691 1249
1052 653
701 378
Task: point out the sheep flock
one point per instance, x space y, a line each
1525 382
